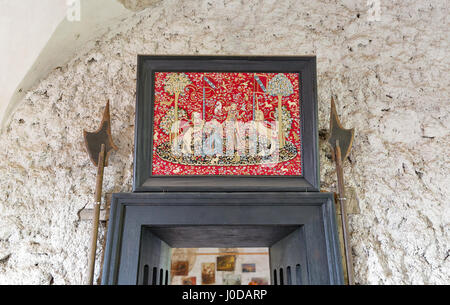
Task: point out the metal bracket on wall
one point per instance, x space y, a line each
87 214
352 202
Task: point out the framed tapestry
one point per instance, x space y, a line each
226 123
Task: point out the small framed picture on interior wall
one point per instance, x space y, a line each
226 123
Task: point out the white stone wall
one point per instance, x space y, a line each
391 79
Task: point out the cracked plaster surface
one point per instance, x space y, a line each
391 82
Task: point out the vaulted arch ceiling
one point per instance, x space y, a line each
39 36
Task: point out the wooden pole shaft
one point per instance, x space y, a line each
96 216
342 201
102 259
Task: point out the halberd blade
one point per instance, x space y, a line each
102 135
337 132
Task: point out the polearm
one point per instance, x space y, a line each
99 144
96 215
210 83
341 140
261 85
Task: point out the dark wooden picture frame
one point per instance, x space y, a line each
144 181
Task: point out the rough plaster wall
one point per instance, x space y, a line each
391 79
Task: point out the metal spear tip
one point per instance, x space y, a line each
94 140
338 134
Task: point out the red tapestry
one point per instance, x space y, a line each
226 124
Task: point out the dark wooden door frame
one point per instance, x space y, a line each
314 212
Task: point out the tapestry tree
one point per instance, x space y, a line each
280 86
175 84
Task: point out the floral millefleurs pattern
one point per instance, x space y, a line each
226 124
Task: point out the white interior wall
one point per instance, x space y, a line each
39 36
25 28
390 77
